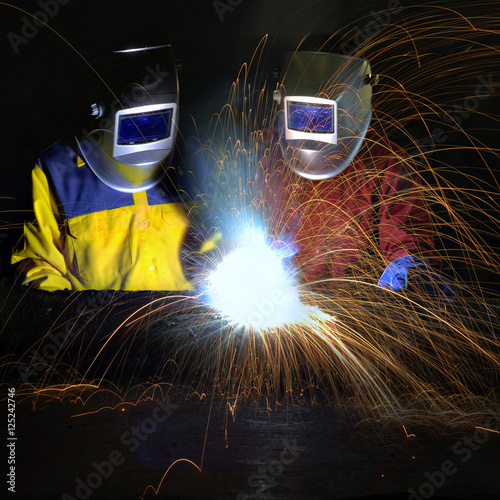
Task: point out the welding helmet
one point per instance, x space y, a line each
134 130
325 111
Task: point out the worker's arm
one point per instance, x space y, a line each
405 224
406 235
42 261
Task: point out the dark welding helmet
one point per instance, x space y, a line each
325 111
134 130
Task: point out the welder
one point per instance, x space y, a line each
103 217
345 196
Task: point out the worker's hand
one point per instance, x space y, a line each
285 249
416 273
395 275
211 243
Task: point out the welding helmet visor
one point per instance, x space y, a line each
325 104
136 132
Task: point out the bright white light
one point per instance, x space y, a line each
253 288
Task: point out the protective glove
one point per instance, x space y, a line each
395 276
211 243
285 249
200 247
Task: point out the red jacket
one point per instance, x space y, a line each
356 222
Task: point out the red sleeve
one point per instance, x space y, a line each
405 224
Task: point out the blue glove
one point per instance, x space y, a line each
284 249
395 276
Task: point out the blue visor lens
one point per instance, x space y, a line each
144 127
311 118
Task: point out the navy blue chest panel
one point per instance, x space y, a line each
79 190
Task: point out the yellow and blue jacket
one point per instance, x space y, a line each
89 236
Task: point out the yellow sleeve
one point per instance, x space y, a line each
42 260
